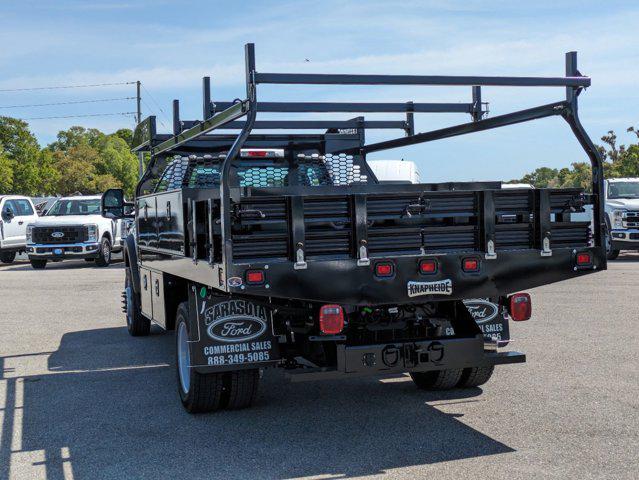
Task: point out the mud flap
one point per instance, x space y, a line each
231 334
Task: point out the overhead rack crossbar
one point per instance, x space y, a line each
441 80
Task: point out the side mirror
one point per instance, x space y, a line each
113 204
8 213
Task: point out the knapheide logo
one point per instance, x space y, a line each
441 287
235 321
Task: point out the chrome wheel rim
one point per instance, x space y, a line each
106 251
129 305
183 359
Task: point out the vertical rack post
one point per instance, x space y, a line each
177 126
410 119
207 110
477 112
138 86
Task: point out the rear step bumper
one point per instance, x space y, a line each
424 356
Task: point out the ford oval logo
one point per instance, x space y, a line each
236 329
57 234
481 310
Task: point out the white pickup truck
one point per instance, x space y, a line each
622 215
73 228
16 212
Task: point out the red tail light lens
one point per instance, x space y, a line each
384 269
255 277
428 267
256 153
520 307
470 265
331 319
584 259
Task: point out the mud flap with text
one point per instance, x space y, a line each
233 334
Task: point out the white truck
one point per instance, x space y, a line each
73 228
16 212
395 171
622 215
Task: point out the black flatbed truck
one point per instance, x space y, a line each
283 250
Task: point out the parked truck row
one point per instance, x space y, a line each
71 228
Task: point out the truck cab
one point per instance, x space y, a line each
622 215
73 228
16 212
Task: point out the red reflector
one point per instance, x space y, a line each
255 277
470 265
331 319
428 266
256 153
584 258
384 269
520 307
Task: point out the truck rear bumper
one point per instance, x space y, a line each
420 356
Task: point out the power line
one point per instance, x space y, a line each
156 103
56 87
77 116
153 111
67 103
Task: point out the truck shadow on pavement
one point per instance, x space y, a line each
108 409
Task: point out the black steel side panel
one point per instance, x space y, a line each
147 227
170 222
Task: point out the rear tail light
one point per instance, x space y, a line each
428 266
262 153
470 265
331 319
520 307
584 259
384 269
255 277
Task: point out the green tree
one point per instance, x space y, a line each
22 149
619 161
6 172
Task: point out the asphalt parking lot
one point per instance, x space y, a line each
79 398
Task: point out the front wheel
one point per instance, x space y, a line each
611 254
136 323
7 257
104 253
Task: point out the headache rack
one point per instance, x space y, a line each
320 200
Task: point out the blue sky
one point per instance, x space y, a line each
169 46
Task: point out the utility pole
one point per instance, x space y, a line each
139 119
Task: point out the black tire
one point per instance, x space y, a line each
7 257
475 376
611 254
437 379
37 263
104 253
137 324
203 392
242 388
